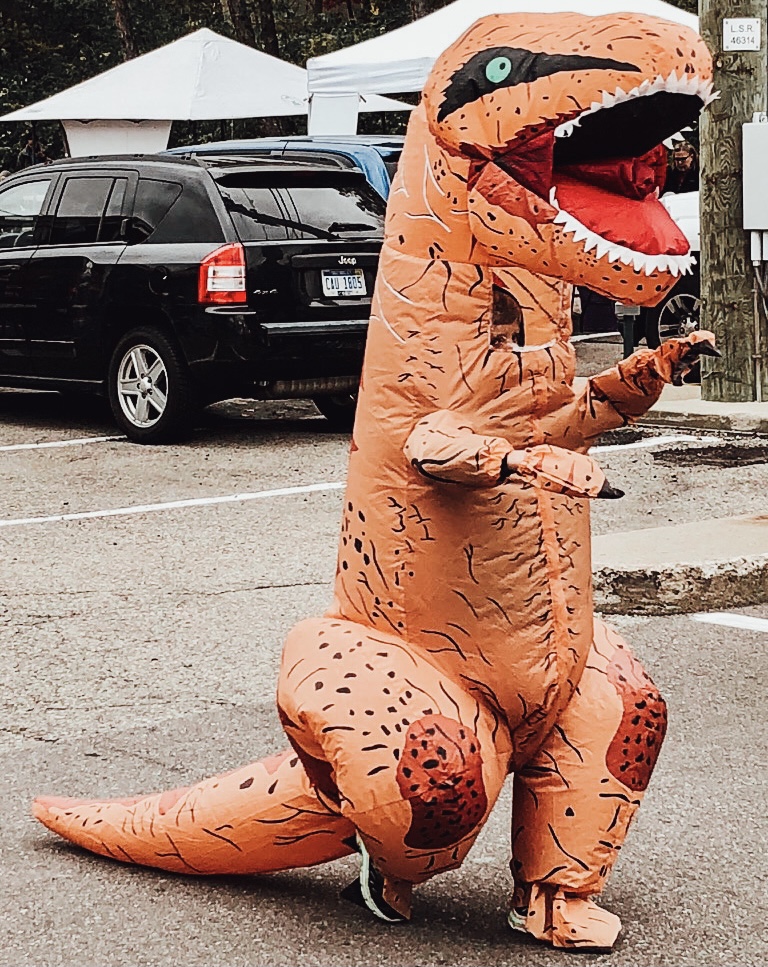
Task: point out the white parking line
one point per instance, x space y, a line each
258 495
173 505
585 336
638 444
655 441
61 443
744 621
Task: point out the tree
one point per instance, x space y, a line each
236 12
124 25
265 12
420 8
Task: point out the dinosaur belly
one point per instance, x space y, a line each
491 586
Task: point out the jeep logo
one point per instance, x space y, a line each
347 260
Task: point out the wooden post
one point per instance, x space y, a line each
727 280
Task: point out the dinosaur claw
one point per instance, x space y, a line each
611 493
706 348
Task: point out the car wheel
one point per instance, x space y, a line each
338 410
150 390
677 315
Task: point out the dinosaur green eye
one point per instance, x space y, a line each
498 69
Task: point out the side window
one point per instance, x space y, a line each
191 218
111 223
19 209
153 202
80 210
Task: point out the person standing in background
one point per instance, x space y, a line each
683 173
33 153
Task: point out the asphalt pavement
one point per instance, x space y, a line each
147 592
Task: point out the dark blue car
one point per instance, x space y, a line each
376 155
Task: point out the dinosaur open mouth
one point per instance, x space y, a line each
602 171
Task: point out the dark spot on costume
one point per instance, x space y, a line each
437 782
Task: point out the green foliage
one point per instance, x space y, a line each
47 46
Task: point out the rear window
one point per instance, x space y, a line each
272 206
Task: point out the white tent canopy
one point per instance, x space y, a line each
202 76
401 60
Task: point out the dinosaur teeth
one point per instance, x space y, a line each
565 130
580 234
684 84
604 248
553 197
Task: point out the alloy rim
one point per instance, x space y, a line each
680 316
142 386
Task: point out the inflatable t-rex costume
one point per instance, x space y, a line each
461 645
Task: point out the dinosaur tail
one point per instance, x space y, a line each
261 818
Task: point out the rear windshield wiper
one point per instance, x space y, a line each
351 228
284 223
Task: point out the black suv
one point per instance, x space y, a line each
171 283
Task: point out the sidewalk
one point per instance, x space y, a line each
683 408
702 566
706 565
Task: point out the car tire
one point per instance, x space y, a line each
150 389
339 410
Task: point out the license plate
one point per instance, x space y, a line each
340 282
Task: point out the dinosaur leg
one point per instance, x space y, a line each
411 759
261 818
574 801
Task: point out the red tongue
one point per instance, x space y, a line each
631 177
640 225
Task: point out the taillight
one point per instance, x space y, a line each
221 277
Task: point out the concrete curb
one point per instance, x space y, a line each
682 588
701 565
682 407
687 419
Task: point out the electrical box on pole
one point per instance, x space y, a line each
755 183
735 32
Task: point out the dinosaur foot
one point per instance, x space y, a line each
386 897
565 921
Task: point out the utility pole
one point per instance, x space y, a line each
729 305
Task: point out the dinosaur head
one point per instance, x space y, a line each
561 118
